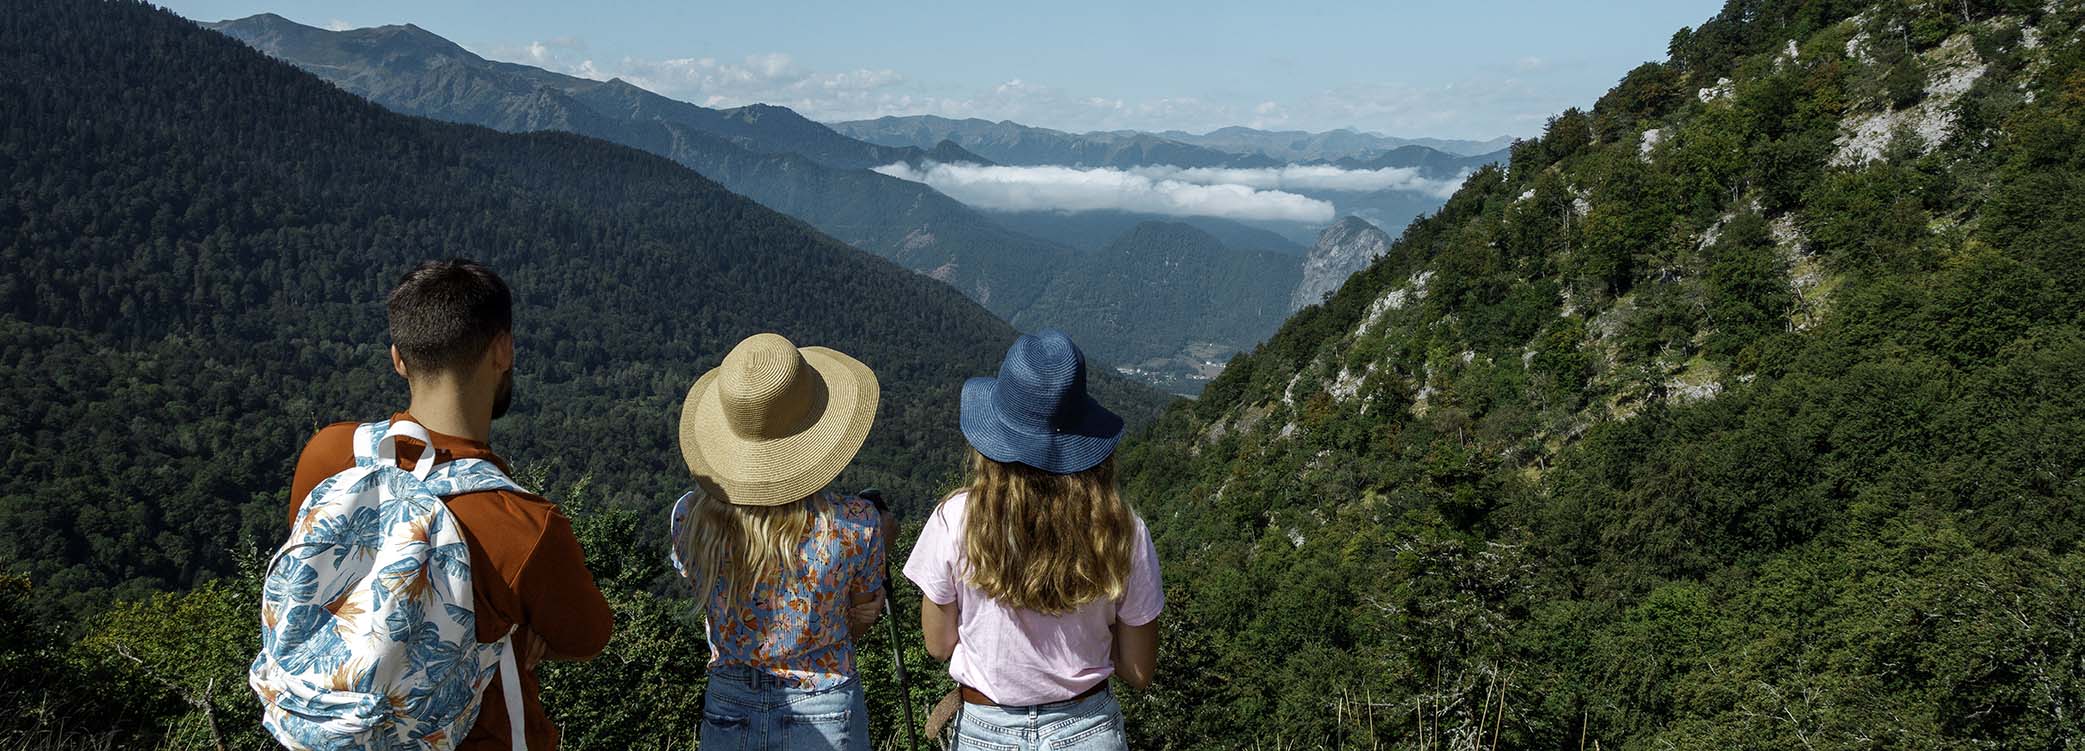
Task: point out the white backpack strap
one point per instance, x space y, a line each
387 447
366 436
510 688
459 476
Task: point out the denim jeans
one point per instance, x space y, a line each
1090 724
748 710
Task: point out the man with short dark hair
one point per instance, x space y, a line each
452 339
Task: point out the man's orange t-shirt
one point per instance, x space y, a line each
526 569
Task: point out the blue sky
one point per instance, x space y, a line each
1405 68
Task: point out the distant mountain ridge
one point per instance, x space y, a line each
767 153
1009 142
1015 144
415 71
1429 161
1329 145
1012 143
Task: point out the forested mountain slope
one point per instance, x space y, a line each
1093 230
194 249
415 71
1744 410
769 154
1182 285
196 244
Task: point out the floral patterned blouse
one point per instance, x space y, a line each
797 629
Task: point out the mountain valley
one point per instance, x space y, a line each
1016 265
1741 406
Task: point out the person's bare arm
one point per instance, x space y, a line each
1136 653
531 647
938 623
862 610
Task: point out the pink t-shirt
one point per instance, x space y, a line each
1021 657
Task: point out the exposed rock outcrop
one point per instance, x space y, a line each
1342 249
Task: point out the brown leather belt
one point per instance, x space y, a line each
974 696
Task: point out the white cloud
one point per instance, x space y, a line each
1068 189
1315 177
338 25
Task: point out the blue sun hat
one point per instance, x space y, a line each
1037 412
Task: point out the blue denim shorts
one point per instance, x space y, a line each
1090 724
748 710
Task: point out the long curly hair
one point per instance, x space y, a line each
1046 542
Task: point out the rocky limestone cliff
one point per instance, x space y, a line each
1342 249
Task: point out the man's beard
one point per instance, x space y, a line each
503 398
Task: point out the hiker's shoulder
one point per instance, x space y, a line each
946 520
329 450
519 502
509 513
337 438
950 509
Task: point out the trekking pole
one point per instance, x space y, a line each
904 687
897 655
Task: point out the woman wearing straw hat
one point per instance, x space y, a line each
1040 581
789 570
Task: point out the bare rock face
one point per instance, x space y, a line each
1342 249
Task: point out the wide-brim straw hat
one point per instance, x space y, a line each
1037 412
775 423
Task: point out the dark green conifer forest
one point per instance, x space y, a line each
1743 409
195 244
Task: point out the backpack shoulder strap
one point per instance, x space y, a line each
510 691
365 440
376 444
461 476
386 447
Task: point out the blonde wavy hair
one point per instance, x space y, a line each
1044 542
742 546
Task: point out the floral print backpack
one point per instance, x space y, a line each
368 640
